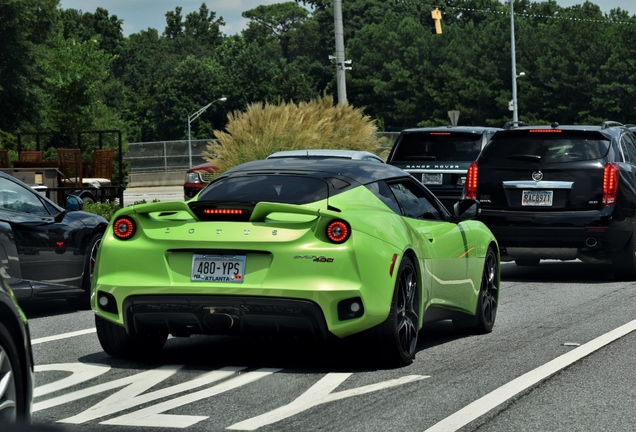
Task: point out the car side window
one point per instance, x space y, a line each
14 197
629 148
413 200
381 190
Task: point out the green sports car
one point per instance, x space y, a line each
296 247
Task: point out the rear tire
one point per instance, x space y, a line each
624 261
486 311
116 342
83 302
397 336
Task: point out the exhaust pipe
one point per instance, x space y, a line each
591 242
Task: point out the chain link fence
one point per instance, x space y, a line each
163 156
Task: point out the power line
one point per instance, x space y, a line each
520 14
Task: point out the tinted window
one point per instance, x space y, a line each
16 198
546 147
272 188
413 200
438 146
381 190
629 148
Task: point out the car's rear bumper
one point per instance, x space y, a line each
558 235
183 315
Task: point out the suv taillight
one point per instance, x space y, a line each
610 183
470 189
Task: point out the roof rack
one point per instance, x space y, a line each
610 123
510 125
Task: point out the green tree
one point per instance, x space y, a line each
75 77
26 29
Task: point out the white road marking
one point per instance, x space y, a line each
63 336
80 372
152 416
133 395
495 398
318 394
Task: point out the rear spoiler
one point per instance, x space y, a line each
180 210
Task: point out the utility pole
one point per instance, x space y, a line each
515 110
340 61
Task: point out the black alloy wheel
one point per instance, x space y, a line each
488 294
398 334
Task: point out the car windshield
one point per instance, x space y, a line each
265 187
438 146
546 147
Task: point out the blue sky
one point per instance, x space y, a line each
141 14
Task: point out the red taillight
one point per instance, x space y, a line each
338 231
470 189
216 211
440 133
124 228
545 130
610 183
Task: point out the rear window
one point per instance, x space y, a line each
270 188
438 146
547 147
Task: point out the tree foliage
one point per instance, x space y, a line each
66 69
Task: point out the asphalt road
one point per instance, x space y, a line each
560 358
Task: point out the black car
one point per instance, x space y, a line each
16 362
560 192
46 251
439 156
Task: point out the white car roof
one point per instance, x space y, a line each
328 153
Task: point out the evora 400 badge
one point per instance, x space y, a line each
314 258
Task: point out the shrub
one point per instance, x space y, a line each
107 210
265 128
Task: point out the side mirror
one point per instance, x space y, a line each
73 203
466 209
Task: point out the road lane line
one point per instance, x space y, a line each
63 336
495 398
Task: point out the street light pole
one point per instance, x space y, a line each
515 110
192 117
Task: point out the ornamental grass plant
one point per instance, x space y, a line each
266 128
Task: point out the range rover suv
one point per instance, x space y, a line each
560 192
439 157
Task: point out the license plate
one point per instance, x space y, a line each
432 179
536 198
217 268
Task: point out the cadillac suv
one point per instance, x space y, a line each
560 192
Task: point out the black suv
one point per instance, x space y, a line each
440 156
560 192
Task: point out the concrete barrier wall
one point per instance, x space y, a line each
149 179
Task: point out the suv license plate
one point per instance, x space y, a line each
432 179
536 198
217 268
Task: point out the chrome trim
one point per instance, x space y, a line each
531 184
